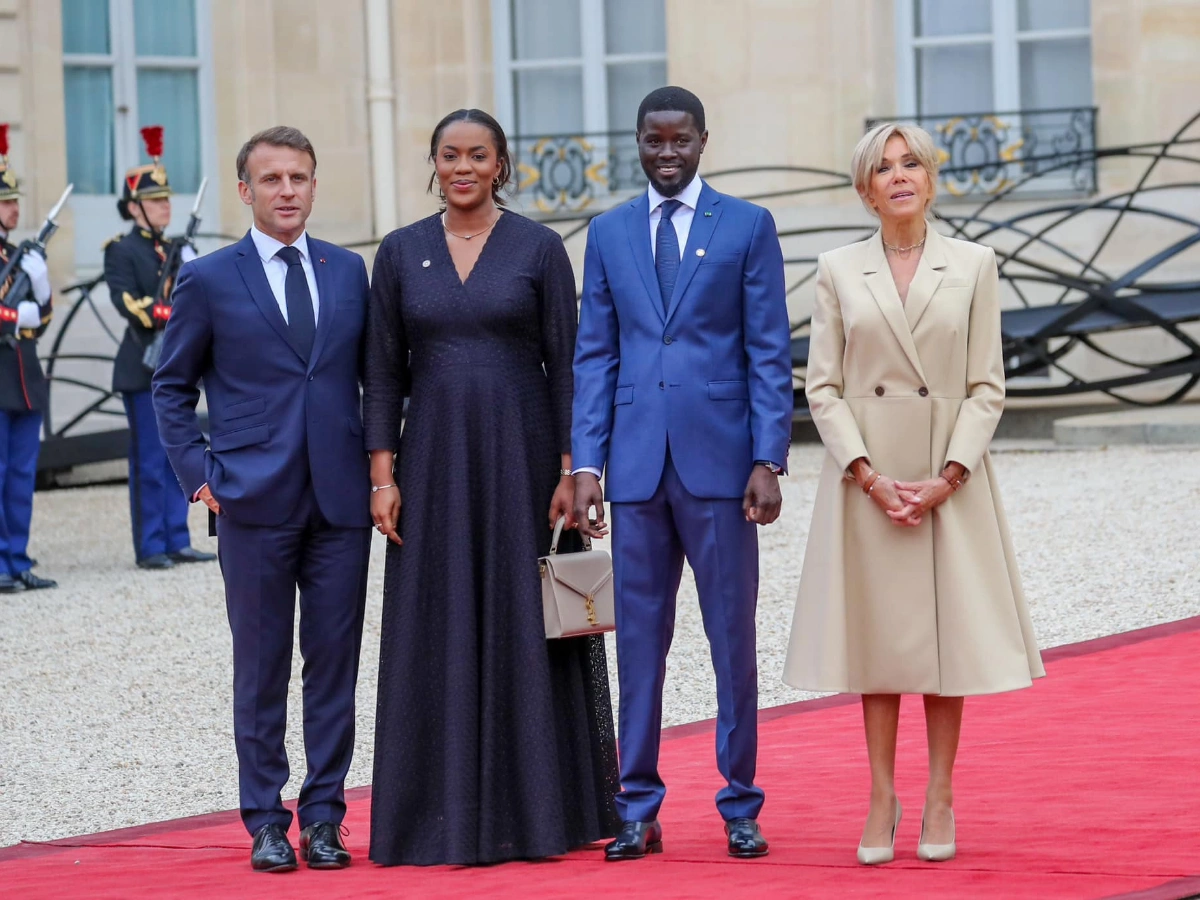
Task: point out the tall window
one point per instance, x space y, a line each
1005 86
572 66
569 77
126 64
970 56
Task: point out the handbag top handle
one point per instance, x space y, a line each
558 530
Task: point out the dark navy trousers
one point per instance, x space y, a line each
157 505
263 567
650 541
20 441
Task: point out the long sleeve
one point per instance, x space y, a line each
767 337
133 301
186 355
597 359
824 381
387 379
980 412
559 327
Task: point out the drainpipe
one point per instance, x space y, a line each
381 111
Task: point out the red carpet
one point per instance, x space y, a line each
1088 785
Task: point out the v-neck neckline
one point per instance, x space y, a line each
443 239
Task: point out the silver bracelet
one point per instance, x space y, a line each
376 488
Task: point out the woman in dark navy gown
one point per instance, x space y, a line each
491 742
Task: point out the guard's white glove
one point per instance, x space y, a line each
29 315
39 276
187 254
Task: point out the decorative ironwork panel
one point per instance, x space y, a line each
989 153
560 173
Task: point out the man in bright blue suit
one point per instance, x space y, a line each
683 397
273 326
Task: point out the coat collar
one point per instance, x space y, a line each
903 318
250 266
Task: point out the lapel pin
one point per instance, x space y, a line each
322 259
700 252
425 264
707 214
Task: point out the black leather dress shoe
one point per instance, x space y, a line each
271 851
33 582
157 561
10 585
745 839
635 840
191 554
322 848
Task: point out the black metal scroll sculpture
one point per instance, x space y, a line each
1069 298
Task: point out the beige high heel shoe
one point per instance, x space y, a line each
875 856
936 852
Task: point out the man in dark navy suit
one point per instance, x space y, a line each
273 327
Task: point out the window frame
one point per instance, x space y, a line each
593 62
1005 39
95 214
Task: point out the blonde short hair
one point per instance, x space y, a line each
869 154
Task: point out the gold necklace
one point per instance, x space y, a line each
920 243
467 237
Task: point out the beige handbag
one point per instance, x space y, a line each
577 590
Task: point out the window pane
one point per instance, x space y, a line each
85 26
549 101
545 29
165 27
1056 74
88 100
628 83
168 97
635 26
1042 16
954 80
942 17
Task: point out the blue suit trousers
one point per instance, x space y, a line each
20 441
157 507
650 541
263 566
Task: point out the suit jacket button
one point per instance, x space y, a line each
879 391
660 386
923 391
667 339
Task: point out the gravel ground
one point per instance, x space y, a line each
117 706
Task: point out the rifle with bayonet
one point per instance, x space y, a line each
162 293
20 289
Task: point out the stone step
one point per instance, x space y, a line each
1155 425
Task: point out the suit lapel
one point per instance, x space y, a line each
927 278
327 299
251 269
883 289
638 224
704 223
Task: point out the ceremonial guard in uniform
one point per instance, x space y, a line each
135 266
23 390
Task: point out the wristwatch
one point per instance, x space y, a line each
772 467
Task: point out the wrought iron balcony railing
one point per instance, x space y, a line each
560 173
987 153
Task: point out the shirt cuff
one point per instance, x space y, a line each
590 470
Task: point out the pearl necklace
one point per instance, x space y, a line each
467 237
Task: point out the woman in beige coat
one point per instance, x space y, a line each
910 582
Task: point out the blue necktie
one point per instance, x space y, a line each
666 252
301 321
